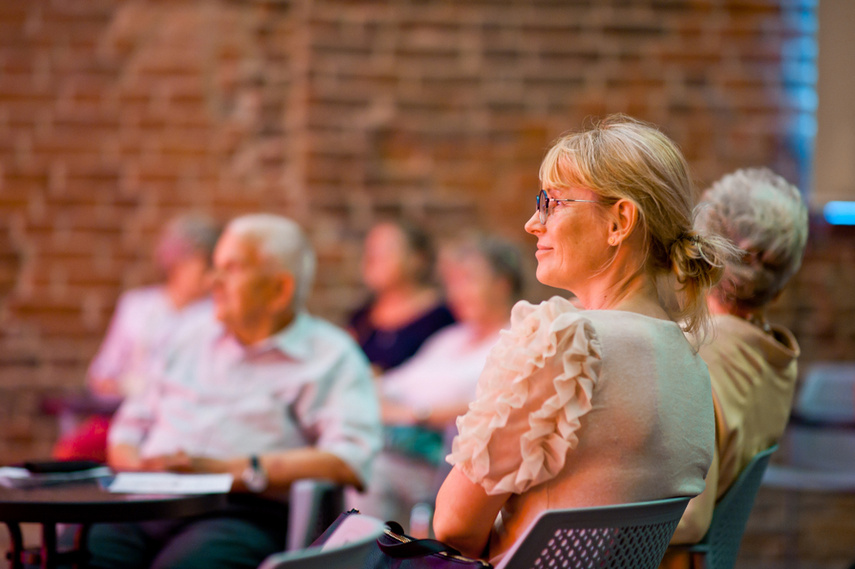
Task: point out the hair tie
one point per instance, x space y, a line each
690 236
694 239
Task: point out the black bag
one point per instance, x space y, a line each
398 551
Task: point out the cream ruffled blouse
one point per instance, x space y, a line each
543 341
581 408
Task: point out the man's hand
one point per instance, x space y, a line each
178 462
182 463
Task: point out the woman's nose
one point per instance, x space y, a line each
533 225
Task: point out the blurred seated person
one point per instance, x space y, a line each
421 398
752 363
144 321
606 405
405 307
269 394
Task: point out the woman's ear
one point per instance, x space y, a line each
623 222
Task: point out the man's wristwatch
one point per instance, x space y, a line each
254 477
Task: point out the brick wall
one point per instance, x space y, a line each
115 115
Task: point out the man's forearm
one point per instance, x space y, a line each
286 467
283 468
124 457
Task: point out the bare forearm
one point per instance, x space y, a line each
124 457
285 468
465 514
438 417
442 417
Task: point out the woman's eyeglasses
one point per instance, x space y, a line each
543 202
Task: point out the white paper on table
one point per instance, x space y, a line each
170 483
18 477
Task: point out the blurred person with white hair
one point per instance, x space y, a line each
268 394
144 315
145 321
752 363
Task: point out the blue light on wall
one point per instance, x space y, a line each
799 77
839 213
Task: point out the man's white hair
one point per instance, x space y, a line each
283 244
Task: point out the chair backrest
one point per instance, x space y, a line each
625 536
347 547
821 433
721 543
313 506
827 393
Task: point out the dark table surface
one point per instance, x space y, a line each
89 503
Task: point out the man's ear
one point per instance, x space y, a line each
285 286
623 222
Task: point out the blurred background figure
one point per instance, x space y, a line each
405 307
143 322
267 393
752 363
421 398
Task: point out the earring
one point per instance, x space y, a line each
612 241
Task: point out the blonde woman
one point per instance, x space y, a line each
605 405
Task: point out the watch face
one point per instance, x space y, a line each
254 479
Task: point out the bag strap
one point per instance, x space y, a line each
409 548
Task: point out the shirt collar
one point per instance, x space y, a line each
292 340
779 348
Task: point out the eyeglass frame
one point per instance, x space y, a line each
543 213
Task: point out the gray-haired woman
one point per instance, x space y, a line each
752 363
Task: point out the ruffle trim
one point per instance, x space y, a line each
536 335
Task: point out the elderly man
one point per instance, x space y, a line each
269 394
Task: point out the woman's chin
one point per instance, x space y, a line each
545 276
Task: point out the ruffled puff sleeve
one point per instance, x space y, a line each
537 383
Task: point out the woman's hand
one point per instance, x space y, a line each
396 413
